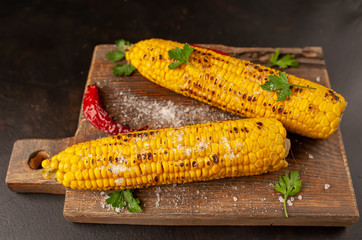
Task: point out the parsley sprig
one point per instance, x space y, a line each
284 62
119 54
124 197
125 69
181 55
288 185
280 83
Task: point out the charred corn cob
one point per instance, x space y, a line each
174 155
234 85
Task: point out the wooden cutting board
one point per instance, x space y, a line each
232 201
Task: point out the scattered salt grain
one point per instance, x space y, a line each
281 199
291 199
157 191
197 192
300 197
326 186
144 110
318 79
235 199
117 209
289 203
310 156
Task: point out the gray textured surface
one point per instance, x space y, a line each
46 52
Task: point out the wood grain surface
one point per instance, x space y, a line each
232 201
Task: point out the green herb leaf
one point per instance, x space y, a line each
132 203
116 200
175 65
280 83
288 185
122 44
123 69
115 55
284 62
119 54
181 55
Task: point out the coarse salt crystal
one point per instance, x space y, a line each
197 192
310 156
159 114
289 203
318 79
300 197
235 199
291 199
157 191
326 186
281 199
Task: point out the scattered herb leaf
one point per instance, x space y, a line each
123 45
280 83
123 69
132 203
119 54
115 56
284 62
119 199
288 185
116 200
181 55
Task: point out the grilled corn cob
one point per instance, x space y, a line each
234 85
174 155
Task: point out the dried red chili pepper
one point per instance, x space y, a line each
214 50
98 117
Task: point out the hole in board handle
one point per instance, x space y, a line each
36 158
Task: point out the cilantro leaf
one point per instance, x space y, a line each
181 55
288 185
175 65
119 199
116 200
274 58
119 54
122 44
280 83
132 203
123 69
284 62
115 55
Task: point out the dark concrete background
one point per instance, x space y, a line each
46 49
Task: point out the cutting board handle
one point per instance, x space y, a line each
23 175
